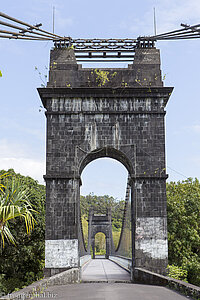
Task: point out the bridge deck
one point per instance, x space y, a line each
110 291
104 270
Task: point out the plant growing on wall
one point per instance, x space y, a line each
103 77
42 77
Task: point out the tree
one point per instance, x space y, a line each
183 204
23 263
14 203
2 187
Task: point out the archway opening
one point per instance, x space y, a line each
100 245
104 184
104 176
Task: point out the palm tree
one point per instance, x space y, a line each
2 187
14 203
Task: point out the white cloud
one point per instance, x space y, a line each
18 157
24 166
10 149
195 128
169 15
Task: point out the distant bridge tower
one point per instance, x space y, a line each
100 223
110 112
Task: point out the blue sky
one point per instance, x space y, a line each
22 134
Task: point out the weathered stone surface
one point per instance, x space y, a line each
144 72
121 117
187 289
100 223
61 253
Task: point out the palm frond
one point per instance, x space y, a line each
14 202
5 233
2 187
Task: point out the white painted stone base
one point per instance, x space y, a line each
151 237
61 253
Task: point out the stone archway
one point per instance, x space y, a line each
101 223
94 245
125 122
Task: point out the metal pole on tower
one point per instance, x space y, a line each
154 9
53 19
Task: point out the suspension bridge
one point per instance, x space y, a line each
106 112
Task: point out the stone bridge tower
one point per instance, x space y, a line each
117 113
100 223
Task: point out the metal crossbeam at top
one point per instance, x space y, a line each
107 50
99 50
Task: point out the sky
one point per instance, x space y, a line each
22 120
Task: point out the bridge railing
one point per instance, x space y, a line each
82 247
124 247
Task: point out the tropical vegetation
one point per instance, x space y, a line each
183 206
22 256
23 262
14 203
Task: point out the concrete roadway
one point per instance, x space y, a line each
98 270
111 284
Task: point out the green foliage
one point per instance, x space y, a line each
124 84
112 75
100 252
101 77
183 204
14 203
116 236
0 73
100 204
23 263
177 272
42 77
100 244
85 229
70 47
2 187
